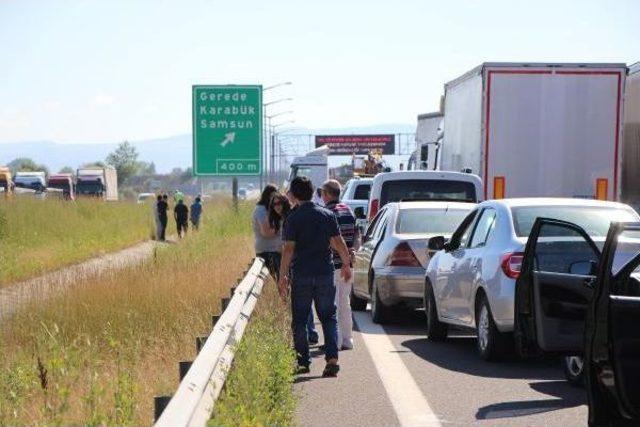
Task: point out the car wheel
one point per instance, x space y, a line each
574 370
380 313
491 343
357 303
436 330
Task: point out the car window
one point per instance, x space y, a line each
429 221
382 226
362 192
562 249
461 236
374 224
594 220
486 224
627 247
427 189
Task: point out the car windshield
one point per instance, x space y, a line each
362 192
429 221
594 220
427 189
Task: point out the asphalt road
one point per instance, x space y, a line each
395 377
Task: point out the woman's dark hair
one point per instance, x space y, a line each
301 188
275 219
267 192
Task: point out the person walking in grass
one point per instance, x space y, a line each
331 190
195 213
310 233
181 215
156 216
162 206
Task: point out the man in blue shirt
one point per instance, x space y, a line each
196 212
309 235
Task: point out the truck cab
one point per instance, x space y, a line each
313 165
62 182
6 184
31 181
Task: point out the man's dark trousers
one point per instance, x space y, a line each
321 291
163 226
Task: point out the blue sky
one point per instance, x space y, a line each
89 71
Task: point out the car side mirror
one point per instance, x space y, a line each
436 243
359 213
583 268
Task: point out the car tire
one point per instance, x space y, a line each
573 367
492 345
436 330
357 303
380 313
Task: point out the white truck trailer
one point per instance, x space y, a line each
428 138
631 138
537 129
101 182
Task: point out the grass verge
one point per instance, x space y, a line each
259 389
42 235
98 353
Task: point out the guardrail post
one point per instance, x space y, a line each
159 403
214 320
200 342
224 303
183 367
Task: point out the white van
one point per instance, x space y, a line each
423 186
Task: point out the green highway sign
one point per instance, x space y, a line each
227 130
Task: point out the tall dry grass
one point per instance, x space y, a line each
99 353
41 235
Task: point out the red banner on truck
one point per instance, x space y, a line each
346 145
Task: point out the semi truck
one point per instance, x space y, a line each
429 132
631 138
6 183
62 182
36 180
101 182
314 165
538 129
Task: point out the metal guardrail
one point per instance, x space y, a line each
192 404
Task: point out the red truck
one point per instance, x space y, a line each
62 182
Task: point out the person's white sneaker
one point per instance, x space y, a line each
347 345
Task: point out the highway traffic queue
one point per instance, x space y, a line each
528 245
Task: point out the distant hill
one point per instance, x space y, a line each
166 153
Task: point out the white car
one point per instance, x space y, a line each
355 193
470 281
436 186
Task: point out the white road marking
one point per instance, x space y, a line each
410 405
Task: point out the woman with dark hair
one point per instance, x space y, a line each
279 209
268 243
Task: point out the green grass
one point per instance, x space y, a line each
98 353
43 235
259 389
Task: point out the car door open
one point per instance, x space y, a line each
613 335
555 288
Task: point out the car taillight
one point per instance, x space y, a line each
403 256
511 264
373 211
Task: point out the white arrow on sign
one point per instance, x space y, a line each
230 137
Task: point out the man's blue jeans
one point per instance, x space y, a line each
321 291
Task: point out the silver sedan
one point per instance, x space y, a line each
390 264
471 281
